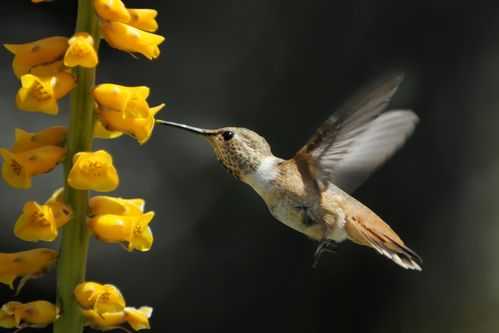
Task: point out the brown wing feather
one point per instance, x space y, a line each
357 111
357 139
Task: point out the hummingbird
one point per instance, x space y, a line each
311 192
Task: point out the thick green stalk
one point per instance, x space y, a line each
72 260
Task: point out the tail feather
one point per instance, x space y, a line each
392 249
374 233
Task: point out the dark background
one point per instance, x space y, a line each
220 262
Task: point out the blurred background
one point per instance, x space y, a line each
220 262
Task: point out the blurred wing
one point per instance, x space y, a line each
356 140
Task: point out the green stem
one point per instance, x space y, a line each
72 260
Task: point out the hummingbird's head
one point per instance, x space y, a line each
240 150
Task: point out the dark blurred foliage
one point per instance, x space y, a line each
220 263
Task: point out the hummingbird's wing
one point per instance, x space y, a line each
358 138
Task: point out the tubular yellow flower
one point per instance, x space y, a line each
26 265
93 171
130 39
102 204
41 222
143 19
62 212
125 109
132 230
140 128
32 314
40 94
128 101
112 10
36 223
101 298
137 319
39 52
103 306
81 51
52 136
19 168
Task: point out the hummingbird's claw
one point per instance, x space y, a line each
307 219
326 245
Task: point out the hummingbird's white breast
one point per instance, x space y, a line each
262 179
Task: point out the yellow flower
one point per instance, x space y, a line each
40 94
140 128
19 168
41 222
132 230
112 10
101 132
129 39
138 319
32 314
36 223
128 101
43 51
118 220
52 136
101 298
143 19
26 265
104 308
101 204
62 212
125 109
93 171
81 51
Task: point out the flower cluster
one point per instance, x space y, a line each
49 69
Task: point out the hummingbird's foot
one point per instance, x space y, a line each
328 246
307 220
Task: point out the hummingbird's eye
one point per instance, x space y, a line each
227 135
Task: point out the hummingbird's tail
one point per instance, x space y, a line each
378 235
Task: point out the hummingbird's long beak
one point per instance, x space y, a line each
192 129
